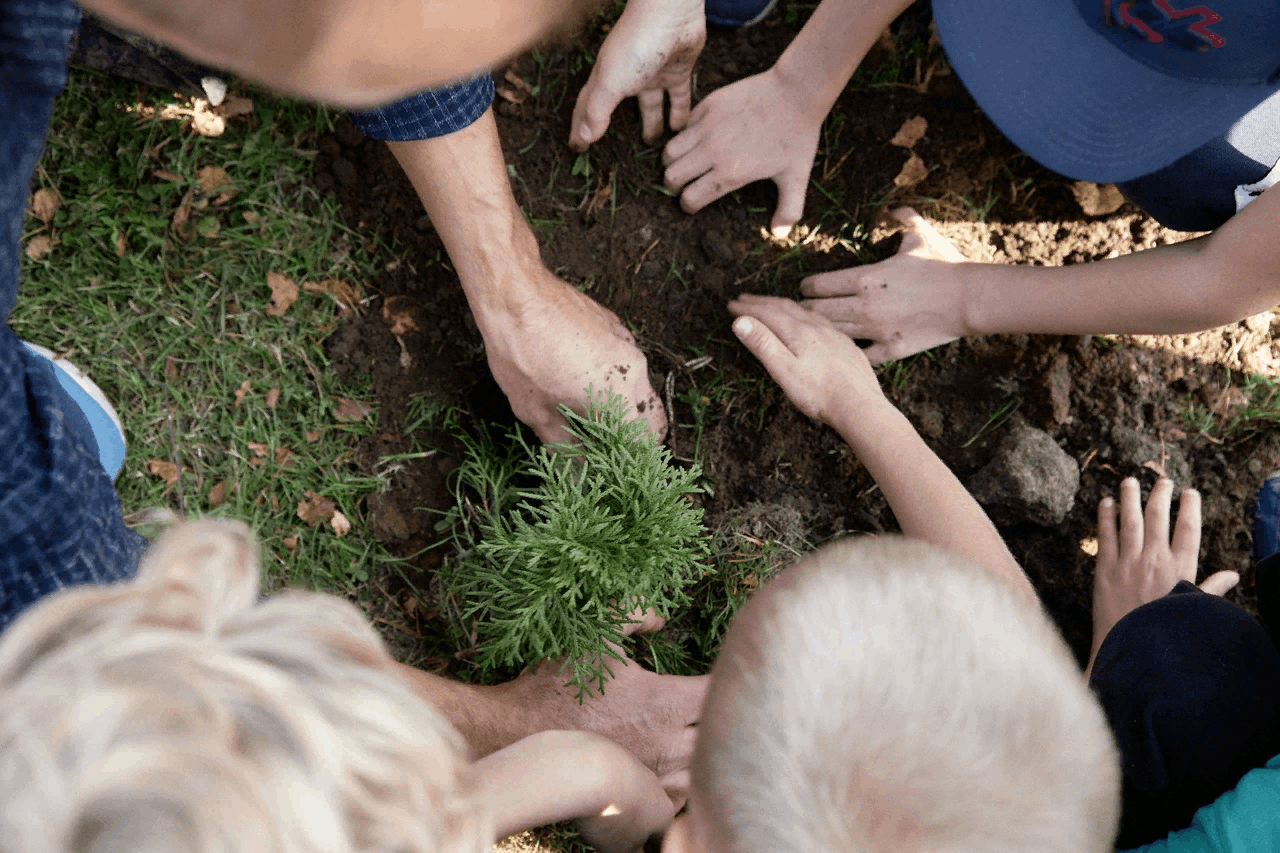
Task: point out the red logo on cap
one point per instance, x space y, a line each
1200 27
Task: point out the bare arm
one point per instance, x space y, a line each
926 295
546 341
653 716
557 775
1185 287
350 52
828 377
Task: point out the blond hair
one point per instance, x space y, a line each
889 696
174 714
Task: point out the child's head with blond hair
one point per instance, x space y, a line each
174 714
882 695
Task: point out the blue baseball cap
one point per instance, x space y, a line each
1111 90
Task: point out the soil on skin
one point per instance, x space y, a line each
1115 405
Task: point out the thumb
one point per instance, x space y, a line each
591 113
764 345
791 189
1219 582
922 238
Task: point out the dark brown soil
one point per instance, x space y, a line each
669 277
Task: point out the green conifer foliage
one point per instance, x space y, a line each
566 540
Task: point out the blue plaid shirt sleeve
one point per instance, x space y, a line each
426 115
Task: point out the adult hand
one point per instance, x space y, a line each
653 716
1138 563
910 302
649 53
818 367
750 130
556 345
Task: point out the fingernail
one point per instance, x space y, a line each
1107 501
584 132
742 326
1130 481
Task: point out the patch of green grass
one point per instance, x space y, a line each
1258 408
171 320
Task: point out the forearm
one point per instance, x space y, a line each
462 181
1185 287
560 775
822 58
925 496
350 52
489 718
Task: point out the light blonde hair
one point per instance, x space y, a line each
174 714
889 696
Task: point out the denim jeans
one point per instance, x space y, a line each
60 522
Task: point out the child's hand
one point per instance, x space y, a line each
750 130
1138 564
820 369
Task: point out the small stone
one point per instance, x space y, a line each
717 248
389 524
1133 449
929 422
345 171
1057 382
347 134
650 269
1030 478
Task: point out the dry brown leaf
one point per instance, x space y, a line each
251 217
913 172
273 397
183 213
510 95
259 449
516 80
338 521
351 411
218 494
603 194
166 471
122 245
39 246
44 204
347 295
283 294
1097 199
911 132
212 178
205 121
170 367
165 175
314 435
241 391
234 105
290 543
316 509
396 314
285 457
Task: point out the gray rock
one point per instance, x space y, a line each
1030 478
1132 448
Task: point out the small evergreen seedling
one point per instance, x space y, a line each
566 540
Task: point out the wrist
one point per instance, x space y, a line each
860 420
972 282
792 79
